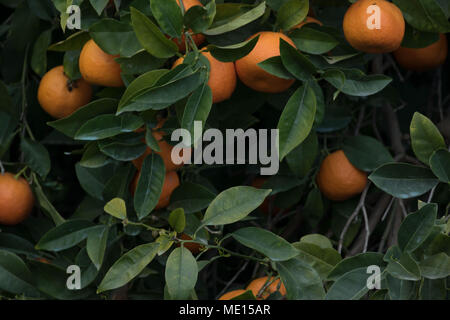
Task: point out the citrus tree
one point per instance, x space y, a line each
94 203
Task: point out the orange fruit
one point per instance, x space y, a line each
256 285
198 37
165 153
98 67
171 182
222 77
422 59
255 77
338 179
191 246
16 199
59 96
232 294
308 20
386 38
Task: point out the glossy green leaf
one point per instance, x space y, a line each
295 62
406 268
366 153
302 158
291 13
108 125
73 42
128 266
93 157
323 260
362 260
275 66
269 244
39 57
313 41
168 15
96 244
233 52
191 197
177 220
233 205
350 286
181 273
436 266
197 108
440 165
65 236
117 208
36 156
297 119
403 180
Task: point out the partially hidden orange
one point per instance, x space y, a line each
16 199
59 96
257 284
197 37
232 294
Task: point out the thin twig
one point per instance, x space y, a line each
366 223
430 197
387 209
361 202
360 120
229 283
402 206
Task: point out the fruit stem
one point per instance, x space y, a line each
20 172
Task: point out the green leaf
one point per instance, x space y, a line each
425 137
150 185
99 5
191 197
236 21
436 266
70 63
181 273
406 268
64 236
440 165
313 209
433 290
39 57
197 108
403 180
73 42
168 15
96 244
362 260
123 147
128 266
313 41
199 18
93 157
233 52
93 180
108 125
177 220
425 15
291 13
355 82
117 208
150 37
275 66
350 286
302 158
323 260
416 227
301 281
401 289
15 277
269 244
366 153
295 62
297 119
71 124
44 202
115 37
317 239
233 205
36 156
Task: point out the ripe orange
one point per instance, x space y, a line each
59 96
165 153
386 38
232 294
171 182
256 285
308 20
16 199
338 179
255 77
222 77
191 246
422 59
98 67
265 206
198 38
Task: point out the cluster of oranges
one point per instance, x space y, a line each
256 286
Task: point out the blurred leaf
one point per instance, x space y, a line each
366 153
39 56
93 180
297 119
181 273
291 13
401 289
177 220
128 266
168 15
318 240
66 235
150 185
301 281
150 37
99 5
403 180
269 244
93 157
433 290
436 266
233 205
36 156
425 137
323 260
416 227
